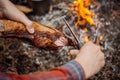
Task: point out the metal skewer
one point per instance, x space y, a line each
73 34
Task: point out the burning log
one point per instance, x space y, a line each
44 36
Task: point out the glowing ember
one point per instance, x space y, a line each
85 29
83 13
101 38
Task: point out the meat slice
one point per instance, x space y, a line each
44 36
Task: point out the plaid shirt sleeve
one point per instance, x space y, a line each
69 71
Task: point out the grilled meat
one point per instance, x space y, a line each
44 36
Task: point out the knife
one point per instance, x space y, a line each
77 40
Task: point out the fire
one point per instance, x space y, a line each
83 13
101 37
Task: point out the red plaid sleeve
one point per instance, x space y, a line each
69 71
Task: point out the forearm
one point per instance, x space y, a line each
1 8
11 12
70 71
8 10
3 4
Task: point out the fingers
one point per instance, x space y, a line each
29 26
102 58
95 45
74 52
101 55
30 29
89 46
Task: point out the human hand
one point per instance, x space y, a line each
8 10
90 57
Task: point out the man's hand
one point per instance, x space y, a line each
90 57
8 10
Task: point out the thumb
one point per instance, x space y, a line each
29 26
74 52
30 29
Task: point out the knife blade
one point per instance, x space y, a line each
79 44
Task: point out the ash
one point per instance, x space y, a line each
20 56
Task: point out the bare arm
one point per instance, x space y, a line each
8 10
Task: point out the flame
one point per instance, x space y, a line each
83 13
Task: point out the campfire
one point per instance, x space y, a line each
84 19
84 14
